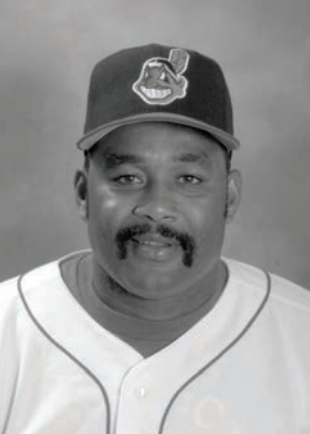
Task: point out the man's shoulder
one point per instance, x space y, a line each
285 294
8 292
43 275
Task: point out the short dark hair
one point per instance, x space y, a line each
88 154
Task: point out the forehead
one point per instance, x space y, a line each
161 140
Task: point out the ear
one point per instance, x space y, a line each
80 187
234 186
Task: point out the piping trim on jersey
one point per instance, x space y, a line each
219 356
180 390
68 354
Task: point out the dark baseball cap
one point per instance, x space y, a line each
158 83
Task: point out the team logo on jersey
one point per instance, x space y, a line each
202 416
161 80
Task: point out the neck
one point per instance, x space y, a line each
204 293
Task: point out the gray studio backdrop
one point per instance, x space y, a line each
47 50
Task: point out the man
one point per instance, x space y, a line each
152 331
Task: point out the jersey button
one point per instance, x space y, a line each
140 392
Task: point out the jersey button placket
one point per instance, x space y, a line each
139 392
136 393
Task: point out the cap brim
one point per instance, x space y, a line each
89 139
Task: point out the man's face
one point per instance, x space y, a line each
156 207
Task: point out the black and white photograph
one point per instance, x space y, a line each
154 219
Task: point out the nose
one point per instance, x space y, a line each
157 206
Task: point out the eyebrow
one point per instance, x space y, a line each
114 160
189 157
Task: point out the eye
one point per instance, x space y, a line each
190 180
127 180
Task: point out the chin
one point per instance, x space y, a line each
155 286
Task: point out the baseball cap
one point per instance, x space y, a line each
158 83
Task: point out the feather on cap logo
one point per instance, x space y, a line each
161 80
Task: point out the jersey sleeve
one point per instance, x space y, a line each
9 364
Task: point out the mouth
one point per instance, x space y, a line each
156 93
154 247
153 242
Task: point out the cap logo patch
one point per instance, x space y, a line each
161 80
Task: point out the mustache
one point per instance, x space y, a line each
185 240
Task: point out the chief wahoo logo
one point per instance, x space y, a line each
161 80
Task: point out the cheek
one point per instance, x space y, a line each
207 220
106 209
207 211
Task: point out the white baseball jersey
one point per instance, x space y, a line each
242 369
